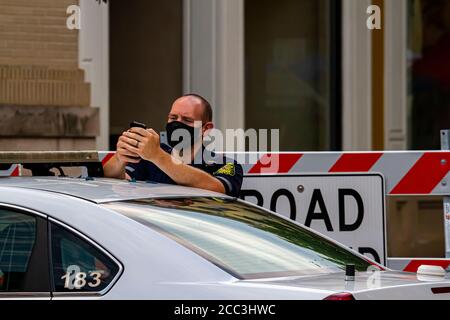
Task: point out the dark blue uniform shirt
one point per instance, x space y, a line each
228 172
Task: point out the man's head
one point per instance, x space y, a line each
190 108
189 111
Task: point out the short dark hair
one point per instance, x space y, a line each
207 110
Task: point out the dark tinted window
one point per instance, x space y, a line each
17 240
245 240
78 266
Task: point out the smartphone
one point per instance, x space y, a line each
136 124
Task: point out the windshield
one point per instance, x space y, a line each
242 239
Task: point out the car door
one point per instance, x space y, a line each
80 268
24 259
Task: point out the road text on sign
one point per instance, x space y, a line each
349 208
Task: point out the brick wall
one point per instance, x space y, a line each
39 70
42 85
39 55
33 32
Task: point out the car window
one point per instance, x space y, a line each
244 240
78 265
17 240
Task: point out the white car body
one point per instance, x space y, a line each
153 266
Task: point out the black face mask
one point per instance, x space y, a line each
179 138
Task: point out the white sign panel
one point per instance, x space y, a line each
346 207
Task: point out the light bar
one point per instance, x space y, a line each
11 157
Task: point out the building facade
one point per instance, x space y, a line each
311 68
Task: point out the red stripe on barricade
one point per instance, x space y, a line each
107 158
425 175
355 162
415 264
275 163
15 172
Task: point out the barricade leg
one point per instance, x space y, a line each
445 145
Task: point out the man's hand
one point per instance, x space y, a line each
123 153
115 167
133 145
143 142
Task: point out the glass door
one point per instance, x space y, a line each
291 71
428 72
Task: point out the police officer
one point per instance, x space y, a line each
141 156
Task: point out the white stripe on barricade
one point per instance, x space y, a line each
405 172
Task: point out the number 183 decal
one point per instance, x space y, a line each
75 279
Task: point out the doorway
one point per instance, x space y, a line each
145 62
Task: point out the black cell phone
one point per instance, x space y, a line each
136 124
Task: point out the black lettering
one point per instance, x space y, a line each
322 215
289 196
359 219
252 193
373 252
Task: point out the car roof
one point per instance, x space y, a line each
101 190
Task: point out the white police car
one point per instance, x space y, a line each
76 238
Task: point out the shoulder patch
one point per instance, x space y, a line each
227 169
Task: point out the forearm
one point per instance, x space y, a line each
187 175
114 168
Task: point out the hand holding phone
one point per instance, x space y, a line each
136 124
147 143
